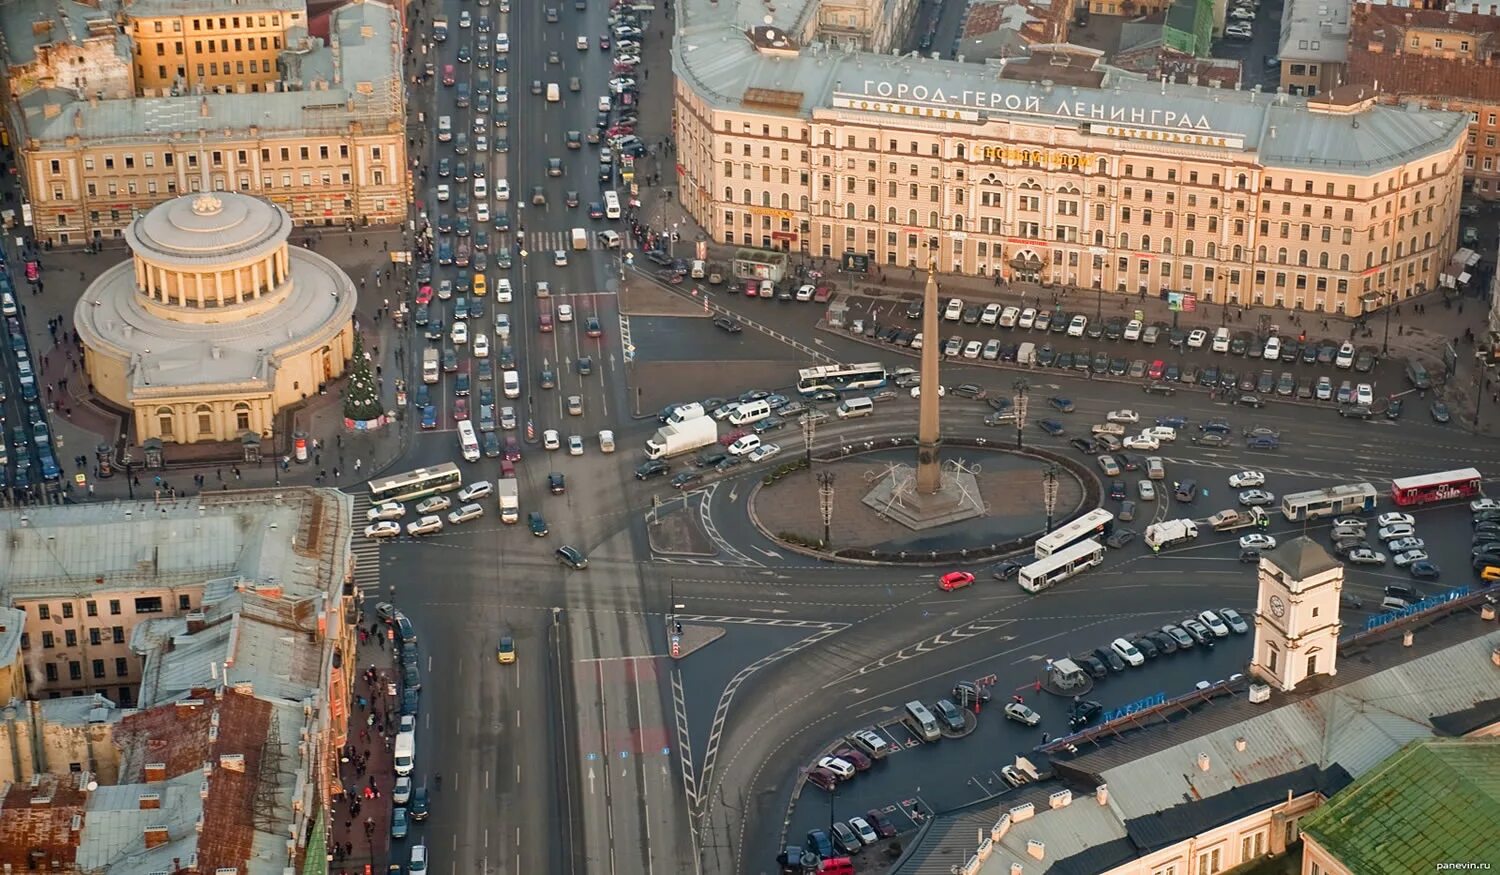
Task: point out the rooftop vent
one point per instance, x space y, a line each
156 836
156 772
1203 762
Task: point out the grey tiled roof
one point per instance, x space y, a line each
68 20
1301 558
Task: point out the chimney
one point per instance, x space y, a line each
1060 799
156 836
195 620
1016 869
1202 762
77 119
232 762
1035 849
156 772
203 107
1101 794
1240 744
149 802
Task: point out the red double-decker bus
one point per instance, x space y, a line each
1442 486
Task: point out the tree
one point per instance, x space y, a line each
361 397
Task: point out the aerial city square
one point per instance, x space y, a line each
832 436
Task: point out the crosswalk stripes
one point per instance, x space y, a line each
366 550
551 241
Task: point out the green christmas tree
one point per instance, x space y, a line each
361 397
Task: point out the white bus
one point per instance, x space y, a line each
1338 500
420 483
1060 565
841 378
468 441
1094 524
611 204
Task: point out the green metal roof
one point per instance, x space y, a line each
1435 801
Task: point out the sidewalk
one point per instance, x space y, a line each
359 820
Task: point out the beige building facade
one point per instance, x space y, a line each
216 322
329 148
1057 171
183 45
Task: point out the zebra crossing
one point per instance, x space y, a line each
366 550
547 242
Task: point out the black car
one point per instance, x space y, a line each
729 324
1110 658
1119 538
651 468
1007 569
1146 646
1164 642
419 805
685 479
1083 713
571 557
537 523
914 310
1093 665
557 484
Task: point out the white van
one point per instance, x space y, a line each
684 412
445 128
921 721
1221 340
851 408
750 411
481 188
611 202
406 751
699 269
554 94
512 382
580 239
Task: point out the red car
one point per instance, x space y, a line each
544 323
512 449
604 43
424 295
621 130
733 436
859 761
955 580
822 778
507 467
1156 369
752 289
460 409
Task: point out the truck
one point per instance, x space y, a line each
508 493
1170 533
1234 519
1026 355
677 438
440 29
430 365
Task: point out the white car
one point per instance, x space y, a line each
991 314
444 192
1021 713
565 312
1163 433
954 310
427 525
464 19
1402 560
1241 13
477 489
764 451
459 334
1142 442
1396 519
1257 541
401 791
1196 338
502 189
575 444
391 510
972 349
482 212
1345 358
481 346
560 258
503 293
1351 522
1247 478
433 504
841 767
1364 394
1406 545
502 94
502 324
1009 316
1133 329
502 42
383 529
862 828
1028 318
1257 498
1480 504
916 391
1126 416
466 513
1396 532
1126 651
744 445
806 292
551 440
1214 623
582 43
1365 556
1272 352
1146 490
1077 325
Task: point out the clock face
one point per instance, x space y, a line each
1278 607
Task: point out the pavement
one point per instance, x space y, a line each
361 822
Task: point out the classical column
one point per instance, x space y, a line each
929 434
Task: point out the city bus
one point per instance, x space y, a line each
1096 523
1060 565
1442 486
841 378
468 441
611 204
444 477
1333 501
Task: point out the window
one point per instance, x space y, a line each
122 667
184 602
49 641
43 612
99 669
148 605
75 670
117 634
67 610
96 636
70 637
1210 862
114 607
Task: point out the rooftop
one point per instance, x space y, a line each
366 87
28 25
1437 799
157 8
1323 736
1379 53
208 229
12 626
36 823
1008 27
1315 30
1301 558
714 56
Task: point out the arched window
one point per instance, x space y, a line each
1124 241
890 215
1213 249
747 196
1145 242
1344 261
242 416
1103 165
848 211
1302 258
1323 259
1166 244
958 223
164 421
1187 247
870 212
205 416
932 219
1281 255
911 217
962 151
1237 253
786 201
1098 237
804 203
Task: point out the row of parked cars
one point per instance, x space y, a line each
384 520
1134 650
410 803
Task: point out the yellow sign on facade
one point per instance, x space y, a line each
1037 157
784 215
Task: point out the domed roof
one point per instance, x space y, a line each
208 227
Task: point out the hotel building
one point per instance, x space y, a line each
1057 169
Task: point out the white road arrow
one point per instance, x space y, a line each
591 781
771 553
734 492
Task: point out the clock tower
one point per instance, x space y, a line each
1296 614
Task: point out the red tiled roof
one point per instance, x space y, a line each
35 836
1378 54
184 737
1046 24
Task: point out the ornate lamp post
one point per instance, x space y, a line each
1020 403
1049 492
825 504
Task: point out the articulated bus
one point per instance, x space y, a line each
1442 486
1095 524
444 477
1333 501
841 378
468 441
1060 565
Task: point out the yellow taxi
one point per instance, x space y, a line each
1490 573
505 654
481 287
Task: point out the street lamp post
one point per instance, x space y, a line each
1020 403
1049 492
809 428
1385 343
1099 302
825 504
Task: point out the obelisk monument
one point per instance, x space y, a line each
929 434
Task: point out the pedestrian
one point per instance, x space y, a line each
358 463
